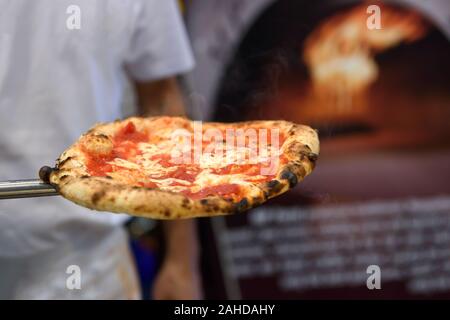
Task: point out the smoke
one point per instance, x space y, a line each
275 67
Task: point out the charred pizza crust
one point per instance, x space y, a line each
71 178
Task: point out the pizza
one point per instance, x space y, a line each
174 168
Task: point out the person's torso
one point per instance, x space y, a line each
55 83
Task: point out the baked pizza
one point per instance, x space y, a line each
174 168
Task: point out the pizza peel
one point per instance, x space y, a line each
29 188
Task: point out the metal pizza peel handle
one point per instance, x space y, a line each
29 188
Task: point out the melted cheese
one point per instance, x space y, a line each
149 168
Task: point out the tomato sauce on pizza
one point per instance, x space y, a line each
143 159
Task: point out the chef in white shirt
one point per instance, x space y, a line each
64 66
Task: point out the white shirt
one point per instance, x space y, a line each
55 83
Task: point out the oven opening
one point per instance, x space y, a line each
374 95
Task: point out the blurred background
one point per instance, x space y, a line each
380 99
379 96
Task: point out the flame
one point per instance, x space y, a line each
340 52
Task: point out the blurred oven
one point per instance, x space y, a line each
380 194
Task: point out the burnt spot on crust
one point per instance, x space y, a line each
273 187
98 144
214 207
186 203
295 149
301 171
308 154
109 177
84 177
292 130
242 205
209 205
273 184
290 177
44 173
312 156
167 213
61 163
64 177
97 196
